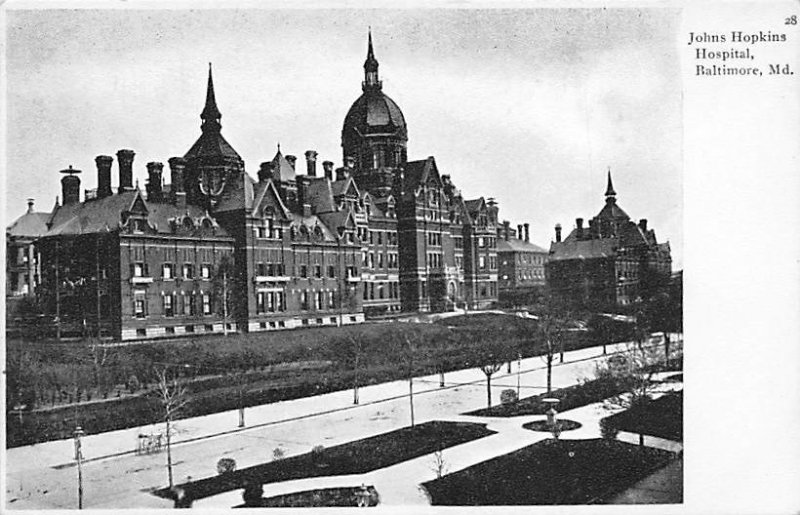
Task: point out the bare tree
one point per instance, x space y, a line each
439 464
551 329
173 399
490 359
409 339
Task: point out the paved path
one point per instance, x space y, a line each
42 475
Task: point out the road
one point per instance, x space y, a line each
44 476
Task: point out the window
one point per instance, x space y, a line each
279 304
188 304
188 271
261 269
481 242
304 300
330 301
260 302
319 300
303 270
166 271
139 305
331 271
206 304
317 271
169 305
138 270
481 262
205 271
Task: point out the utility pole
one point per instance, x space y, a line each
225 302
79 458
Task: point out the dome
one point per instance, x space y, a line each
374 113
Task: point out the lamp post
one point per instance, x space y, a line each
79 458
519 369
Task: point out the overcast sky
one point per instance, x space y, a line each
528 106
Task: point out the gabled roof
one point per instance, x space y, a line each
517 245
475 206
346 186
418 173
611 211
31 225
267 195
310 223
319 194
282 171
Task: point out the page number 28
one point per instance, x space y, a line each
791 20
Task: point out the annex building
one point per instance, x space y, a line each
216 249
613 262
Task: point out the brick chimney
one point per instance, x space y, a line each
579 224
71 186
153 186
506 229
311 163
349 162
558 233
104 176
327 166
527 232
125 162
177 165
30 205
519 231
292 160
643 224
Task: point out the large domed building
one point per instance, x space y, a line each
218 250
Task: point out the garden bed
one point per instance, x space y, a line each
662 418
321 498
550 472
358 457
570 397
544 426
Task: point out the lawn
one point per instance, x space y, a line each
662 418
56 381
550 472
358 457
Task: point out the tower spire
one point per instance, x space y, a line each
210 114
371 80
610 193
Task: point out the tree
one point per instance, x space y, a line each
348 350
551 330
490 359
409 340
173 399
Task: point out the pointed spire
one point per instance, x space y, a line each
610 193
371 67
210 111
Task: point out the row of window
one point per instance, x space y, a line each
368 260
270 302
381 290
377 237
435 239
492 262
434 260
188 270
487 242
173 304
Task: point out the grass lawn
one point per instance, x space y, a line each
322 498
358 457
550 472
662 418
571 397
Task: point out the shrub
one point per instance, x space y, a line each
608 430
226 465
508 396
278 454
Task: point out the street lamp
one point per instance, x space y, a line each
519 368
79 458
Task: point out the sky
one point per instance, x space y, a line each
529 106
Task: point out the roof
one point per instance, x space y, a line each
31 224
611 211
374 113
420 172
310 222
282 171
517 245
238 193
319 193
583 249
105 215
212 144
474 206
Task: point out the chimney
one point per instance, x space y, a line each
153 186
327 166
558 233
349 162
643 224
342 173
527 232
104 176
125 162
306 210
30 205
519 231
178 188
311 163
265 171
579 224
71 186
592 228
292 160
506 229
